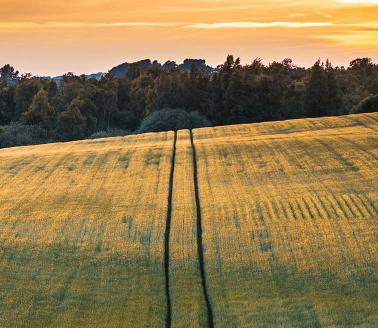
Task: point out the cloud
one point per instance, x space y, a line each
296 15
322 13
371 26
258 25
358 1
351 38
83 25
219 25
205 9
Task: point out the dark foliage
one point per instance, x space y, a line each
132 97
16 134
109 133
172 120
367 105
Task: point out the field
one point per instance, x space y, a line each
258 225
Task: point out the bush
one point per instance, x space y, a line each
124 119
349 101
109 133
172 120
367 105
16 134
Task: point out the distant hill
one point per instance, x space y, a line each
197 63
96 76
122 69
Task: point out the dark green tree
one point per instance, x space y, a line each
316 94
106 100
7 105
235 96
40 112
72 124
333 92
24 94
8 73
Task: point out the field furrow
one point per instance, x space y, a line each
186 290
167 236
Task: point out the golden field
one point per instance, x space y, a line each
289 228
82 231
290 220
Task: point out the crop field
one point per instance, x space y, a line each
290 220
258 225
82 233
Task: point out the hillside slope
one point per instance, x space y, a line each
259 225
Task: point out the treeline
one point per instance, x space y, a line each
77 107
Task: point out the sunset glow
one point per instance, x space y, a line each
85 36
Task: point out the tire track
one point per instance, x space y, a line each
199 236
168 320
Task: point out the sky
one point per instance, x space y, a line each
51 37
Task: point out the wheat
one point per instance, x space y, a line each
290 221
82 232
288 212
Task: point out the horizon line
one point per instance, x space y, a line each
162 62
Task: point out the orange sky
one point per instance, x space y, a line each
50 37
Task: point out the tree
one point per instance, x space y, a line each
125 120
71 123
169 65
257 67
361 64
333 92
106 100
363 70
24 95
7 105
133 72
40 112
231 93
316 95
216 109
139 89
2 110
293 102
287 63
8 73
196 89
90 111
235 96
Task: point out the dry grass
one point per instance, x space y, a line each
81 233
290 222
289 214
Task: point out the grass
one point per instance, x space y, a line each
66 256
289 228
303 250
